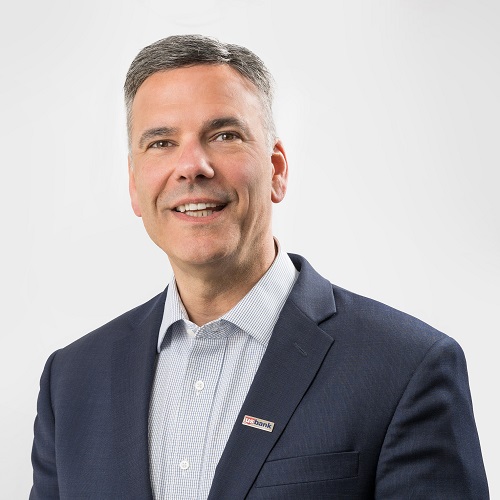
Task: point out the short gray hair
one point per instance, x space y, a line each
190 50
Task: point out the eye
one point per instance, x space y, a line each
226 137
161 144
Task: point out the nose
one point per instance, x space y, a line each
193 163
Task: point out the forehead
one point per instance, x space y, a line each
200 89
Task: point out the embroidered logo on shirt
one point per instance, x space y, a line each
258 423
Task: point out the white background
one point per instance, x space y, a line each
389 111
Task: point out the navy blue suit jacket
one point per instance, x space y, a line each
367 402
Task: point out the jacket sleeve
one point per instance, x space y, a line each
43 456
431 448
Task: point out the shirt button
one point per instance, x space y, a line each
199 385
191 333
184 464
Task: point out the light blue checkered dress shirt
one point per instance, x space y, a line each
202 378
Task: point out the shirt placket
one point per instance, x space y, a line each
199 389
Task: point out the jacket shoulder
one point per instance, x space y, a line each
102 339
357 320
369 321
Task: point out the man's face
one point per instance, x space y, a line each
202 174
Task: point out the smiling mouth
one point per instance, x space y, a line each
199 209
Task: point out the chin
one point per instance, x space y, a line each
201 254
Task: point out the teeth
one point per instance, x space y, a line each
199 213
195 206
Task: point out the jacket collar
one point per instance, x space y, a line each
295 352
133 367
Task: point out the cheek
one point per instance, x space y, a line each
150 181
254 198
252 177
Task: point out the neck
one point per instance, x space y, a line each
208 292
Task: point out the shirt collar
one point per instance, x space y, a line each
256 313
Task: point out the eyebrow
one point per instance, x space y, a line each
152 133
226 121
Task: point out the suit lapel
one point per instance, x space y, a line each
134 360
293 357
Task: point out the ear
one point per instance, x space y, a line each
280 172
134 199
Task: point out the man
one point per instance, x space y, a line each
250 376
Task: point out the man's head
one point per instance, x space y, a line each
180 51
204 163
